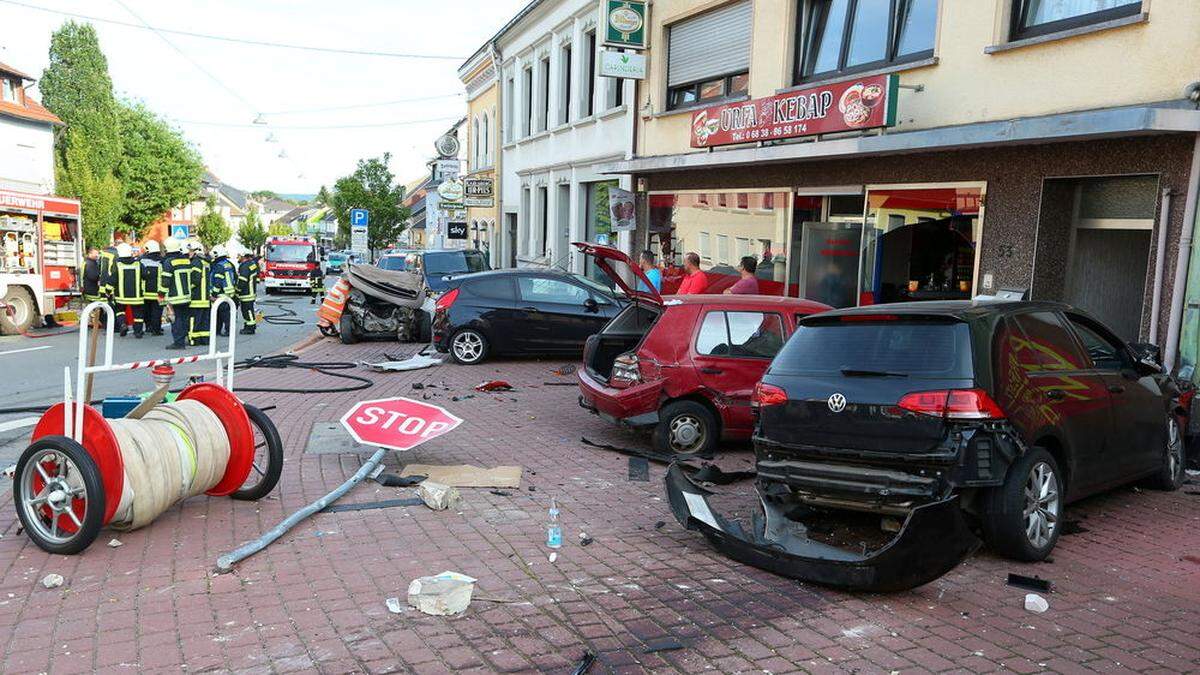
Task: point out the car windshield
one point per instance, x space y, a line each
394 263
853 346
454 262
290 252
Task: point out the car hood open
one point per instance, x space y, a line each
619 267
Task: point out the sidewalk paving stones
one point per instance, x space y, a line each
1125 595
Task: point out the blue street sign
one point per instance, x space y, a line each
360 217
179 231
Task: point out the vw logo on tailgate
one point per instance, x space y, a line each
837 403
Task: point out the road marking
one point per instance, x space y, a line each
18 424
27 349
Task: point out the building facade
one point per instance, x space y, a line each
873 152
26 137
559 123
480 76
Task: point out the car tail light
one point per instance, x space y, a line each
766 395
446 299
954 404
625 368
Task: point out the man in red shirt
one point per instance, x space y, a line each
695 281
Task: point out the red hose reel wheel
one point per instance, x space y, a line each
101 445
233 417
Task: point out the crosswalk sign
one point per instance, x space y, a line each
179 231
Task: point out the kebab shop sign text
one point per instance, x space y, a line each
865 103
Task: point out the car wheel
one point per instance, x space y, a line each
468 347
346 329
686 428
19 311
1023 516
1170 476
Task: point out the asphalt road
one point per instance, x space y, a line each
32 368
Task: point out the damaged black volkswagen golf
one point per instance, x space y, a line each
949 421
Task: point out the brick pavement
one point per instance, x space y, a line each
1127 596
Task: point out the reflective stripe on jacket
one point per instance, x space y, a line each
223 277
201 268
176 278
151 271
127 281
247 280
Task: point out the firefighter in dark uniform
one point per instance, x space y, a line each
247 291
175 287
199 329
151 270
92 278
316 279
127 288
223 282
108 263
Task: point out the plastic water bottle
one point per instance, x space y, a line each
553 527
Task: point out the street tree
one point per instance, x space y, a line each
211 228
263 195
252 234
76 86
372 186
323 196
158 169
279 230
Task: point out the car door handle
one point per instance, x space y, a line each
711 371
1055 394
529 309
1116 389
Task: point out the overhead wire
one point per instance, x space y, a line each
361 106
236 40
318 127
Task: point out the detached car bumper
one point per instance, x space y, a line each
933 540
635 407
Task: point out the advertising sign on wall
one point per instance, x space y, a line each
480 192
622 210
852 105
456 230
624 23
622 64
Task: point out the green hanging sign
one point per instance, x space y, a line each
624 23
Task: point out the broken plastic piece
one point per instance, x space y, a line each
494 385
639 470
1037 584
1036 603
371 506
566 369
392 480
711 473
584 663
933 540
393 605
665 644
414 363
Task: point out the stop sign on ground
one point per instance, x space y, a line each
397 423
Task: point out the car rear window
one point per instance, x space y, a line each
919 348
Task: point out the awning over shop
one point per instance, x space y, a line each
1172 117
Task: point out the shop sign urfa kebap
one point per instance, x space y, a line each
852 105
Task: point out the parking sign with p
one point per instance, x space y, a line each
360 217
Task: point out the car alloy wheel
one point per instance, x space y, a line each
1042 505
468 346
686 434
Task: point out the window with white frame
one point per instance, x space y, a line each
10 90
485 141
708 56
1031 18
510 93
849 36
564 84
587 87
615 94
527 110
543 118
475 143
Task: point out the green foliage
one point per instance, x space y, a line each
322 196
372 187
76 87
252 234
279 230
211 228
158 169
263 195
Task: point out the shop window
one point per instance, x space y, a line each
1031 18
708 56
847 36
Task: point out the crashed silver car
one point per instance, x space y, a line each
373 303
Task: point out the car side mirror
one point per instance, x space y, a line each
1148 355
591 305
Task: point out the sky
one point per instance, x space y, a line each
283 85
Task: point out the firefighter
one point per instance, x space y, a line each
247 290
108 261
223 282
316 279
198 328
151 270
175 289
127 288
92 276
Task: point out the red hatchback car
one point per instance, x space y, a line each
683 366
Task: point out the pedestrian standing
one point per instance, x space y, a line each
695 280
650 269
199 329
151 271
127 288
316 279
748 283
247 291
108 263
175 286
223 282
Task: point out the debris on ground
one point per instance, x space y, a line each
114 543
53 580
10 471
501 493
393 605
1029 583
652 455
416 386
414 363
456 399
371 506
662 645
392 480
585 539
711 473
584 663
567 369
639 470
553 556
443 595
659 524
467 475
494 385
438 496
558 384
1036 603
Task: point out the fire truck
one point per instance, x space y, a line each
41 257
289 263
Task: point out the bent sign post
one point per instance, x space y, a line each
397 423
